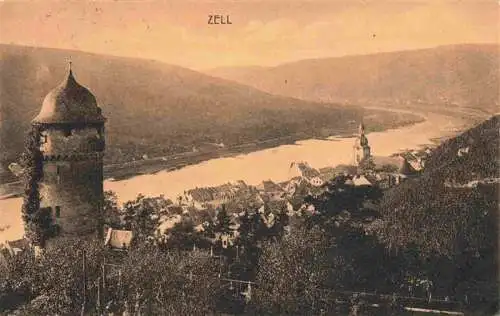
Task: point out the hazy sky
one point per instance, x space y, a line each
262 32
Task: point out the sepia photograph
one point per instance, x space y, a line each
251 157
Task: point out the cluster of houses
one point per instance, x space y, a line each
269 196
304 180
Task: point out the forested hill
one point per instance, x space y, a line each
473 155
152 108
446 220
462 75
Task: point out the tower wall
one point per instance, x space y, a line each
366 152
67 140
72 182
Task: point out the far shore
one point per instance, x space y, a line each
127 170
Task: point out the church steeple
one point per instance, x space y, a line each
361 129
361 147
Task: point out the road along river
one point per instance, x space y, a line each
257 166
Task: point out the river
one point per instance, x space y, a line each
257 166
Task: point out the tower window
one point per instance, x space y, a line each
58 211
58 174
67 131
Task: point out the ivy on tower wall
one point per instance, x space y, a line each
32 161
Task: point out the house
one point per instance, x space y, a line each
270 189
417 164
345 170
396 164
240 184
327 174
349 182
201 195
361 180
224 193
119 239
268 219
227 240
268 186
316 181
11 249
463 151
215 195
302 169
289 209
291 186
259 199
386 180
4 257
168 222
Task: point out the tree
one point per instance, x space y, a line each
111 210
53 283
223 222
142 215
291 273
174 283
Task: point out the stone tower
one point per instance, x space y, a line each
71 131
361 147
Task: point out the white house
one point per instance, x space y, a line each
316 181
360 180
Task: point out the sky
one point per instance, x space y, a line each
262 33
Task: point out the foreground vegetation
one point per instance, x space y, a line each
301 265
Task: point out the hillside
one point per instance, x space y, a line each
451 225
154 108
472 155
463 75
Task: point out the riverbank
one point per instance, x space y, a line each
151 166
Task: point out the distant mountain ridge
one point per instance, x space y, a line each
463 75
152 108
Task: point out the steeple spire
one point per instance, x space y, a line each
361 128
70 79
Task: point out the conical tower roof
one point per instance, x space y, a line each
69 102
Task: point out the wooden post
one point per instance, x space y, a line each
220 266
120 292
104 273
104 294
84 266
98 296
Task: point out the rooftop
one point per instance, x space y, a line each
69 102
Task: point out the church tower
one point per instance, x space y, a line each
361 148
71 137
